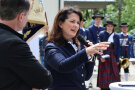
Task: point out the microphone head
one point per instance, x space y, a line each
105 56
82 40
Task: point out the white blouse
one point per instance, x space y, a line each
76 49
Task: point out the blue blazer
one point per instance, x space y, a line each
92 33
83 32
104 37
130 43
69 69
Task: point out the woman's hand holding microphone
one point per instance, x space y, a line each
95 49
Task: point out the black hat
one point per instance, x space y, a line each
124 24
97 16
109 22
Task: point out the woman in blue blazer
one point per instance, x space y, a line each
108 70
69 65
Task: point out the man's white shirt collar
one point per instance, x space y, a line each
124 34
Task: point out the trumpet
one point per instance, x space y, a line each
124 62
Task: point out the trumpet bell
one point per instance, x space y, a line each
124 62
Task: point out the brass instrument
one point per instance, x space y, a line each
124 62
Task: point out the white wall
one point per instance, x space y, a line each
51 8
62 4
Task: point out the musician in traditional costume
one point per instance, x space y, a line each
42 44
126 46
108 70
83 31
94 29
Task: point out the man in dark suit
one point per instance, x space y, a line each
19 70
93 31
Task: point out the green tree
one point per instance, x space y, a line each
128 13
112 13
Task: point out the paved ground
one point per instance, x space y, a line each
94 77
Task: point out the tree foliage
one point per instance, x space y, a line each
128 13
112 13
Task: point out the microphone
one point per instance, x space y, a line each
82 40
105 56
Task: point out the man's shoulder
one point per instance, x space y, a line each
103 28
116 35
9 42
7 34
91 26
120 34
9 38
103 32
130 35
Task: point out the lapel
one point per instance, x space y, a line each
94 31
122 37
114 38
70 48
106 36
129 40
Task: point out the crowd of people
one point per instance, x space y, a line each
108 68
121 47
67 62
